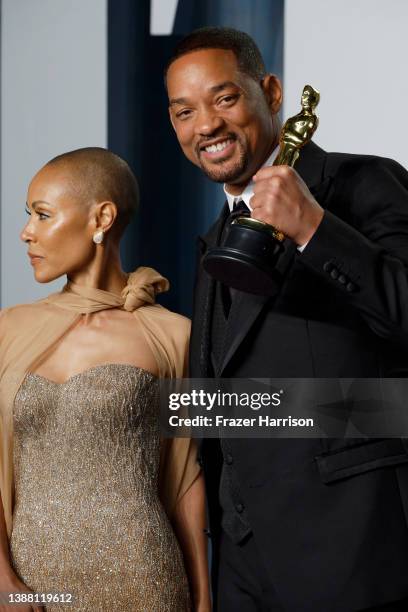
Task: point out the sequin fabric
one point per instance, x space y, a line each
87 518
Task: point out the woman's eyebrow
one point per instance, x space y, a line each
34 204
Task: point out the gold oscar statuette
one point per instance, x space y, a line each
296 132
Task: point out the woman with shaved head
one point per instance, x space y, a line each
97 510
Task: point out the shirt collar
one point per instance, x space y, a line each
248 192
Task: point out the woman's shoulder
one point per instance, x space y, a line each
16 319
21 311
171 322
169 334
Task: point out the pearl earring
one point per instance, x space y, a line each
98 237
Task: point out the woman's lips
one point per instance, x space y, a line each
35 259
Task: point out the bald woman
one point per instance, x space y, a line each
96 510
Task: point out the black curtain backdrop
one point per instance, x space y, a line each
177 202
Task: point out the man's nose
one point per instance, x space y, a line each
208 122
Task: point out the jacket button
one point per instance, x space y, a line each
334 273
239 508
350 287
327 266
342 279
228 459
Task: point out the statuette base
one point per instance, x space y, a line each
247 261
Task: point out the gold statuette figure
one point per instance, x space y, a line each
298 130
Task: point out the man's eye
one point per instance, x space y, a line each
227 100
183 114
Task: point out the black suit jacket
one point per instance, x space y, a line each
329 516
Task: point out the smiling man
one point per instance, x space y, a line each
249 131
297 525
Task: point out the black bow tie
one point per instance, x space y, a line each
240 209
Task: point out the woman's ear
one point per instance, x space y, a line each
272 89
105 214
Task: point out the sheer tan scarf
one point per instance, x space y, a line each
28 331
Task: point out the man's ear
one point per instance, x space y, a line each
272 88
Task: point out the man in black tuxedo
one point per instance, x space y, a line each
314 525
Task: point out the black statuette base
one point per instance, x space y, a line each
247 261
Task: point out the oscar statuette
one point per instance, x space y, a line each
248 258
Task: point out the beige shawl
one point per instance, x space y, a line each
28 331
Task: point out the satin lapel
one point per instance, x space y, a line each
204 300
245 309
311 166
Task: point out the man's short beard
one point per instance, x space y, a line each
219 174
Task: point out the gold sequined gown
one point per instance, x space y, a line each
87 518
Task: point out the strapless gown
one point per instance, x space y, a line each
87 518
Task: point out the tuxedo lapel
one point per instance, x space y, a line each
204 303
245 309
311 166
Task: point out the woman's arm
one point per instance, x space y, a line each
189 522
9 581
5 567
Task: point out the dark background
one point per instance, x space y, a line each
177 201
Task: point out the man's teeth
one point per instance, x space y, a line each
218 147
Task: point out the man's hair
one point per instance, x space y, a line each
99 175
248 56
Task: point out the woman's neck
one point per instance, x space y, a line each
104 272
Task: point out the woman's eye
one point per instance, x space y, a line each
42 216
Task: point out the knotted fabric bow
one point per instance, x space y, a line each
142 287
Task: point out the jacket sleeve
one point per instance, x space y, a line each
361 246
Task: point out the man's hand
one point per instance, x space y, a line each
283 200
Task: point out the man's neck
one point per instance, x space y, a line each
237 189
